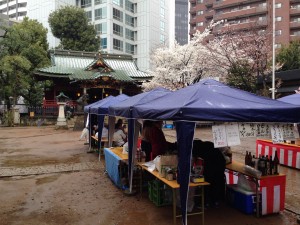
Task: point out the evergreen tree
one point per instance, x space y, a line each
71 25
23 49
289 56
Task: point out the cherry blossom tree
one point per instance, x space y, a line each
245 55
181 65
238 57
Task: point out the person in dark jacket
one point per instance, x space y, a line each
214 167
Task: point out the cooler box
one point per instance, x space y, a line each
240 199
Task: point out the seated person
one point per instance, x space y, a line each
120 137
104 132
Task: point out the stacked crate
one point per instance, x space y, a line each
159 193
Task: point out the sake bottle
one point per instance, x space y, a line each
276 163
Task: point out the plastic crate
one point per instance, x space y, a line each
159 193
240 199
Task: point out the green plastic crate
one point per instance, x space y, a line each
159 193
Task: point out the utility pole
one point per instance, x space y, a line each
273 48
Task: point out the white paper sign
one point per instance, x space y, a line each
247 130
263 130
288 131
296 130
219 136
232 135
276 133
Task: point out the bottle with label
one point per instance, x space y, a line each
267 162
246 158
271 166
276 163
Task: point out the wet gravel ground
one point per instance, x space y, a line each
47 177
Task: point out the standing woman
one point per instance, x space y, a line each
157 139
145 143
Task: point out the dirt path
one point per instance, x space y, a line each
46 177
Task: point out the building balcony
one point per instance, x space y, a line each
208 2
241 13
294 37
209 14
294 11
193 20
240 26
228 3
294 25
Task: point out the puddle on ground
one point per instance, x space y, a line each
31 160
47 179
10 151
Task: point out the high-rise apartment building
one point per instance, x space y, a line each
133 27
242 14
181 21
34 9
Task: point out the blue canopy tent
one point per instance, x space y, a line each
87 109
209 100
101 110
292 99
123 109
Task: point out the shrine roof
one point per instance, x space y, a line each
91 65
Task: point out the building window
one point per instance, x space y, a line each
129 6
162 12
118 30
199 1
162 39
278 5
100 13
200 24
117 14
278 32
277 45
89 15
117 44
200 12
86 3
162 25
22 13
261 32
129 48
263 5
97 2
162 2
101 28
297 19
262 18
103 43
129 34
129 20
118 2
278 18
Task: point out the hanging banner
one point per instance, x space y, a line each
232 135
276 133
219 136
247 130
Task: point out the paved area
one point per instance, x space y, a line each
48 178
